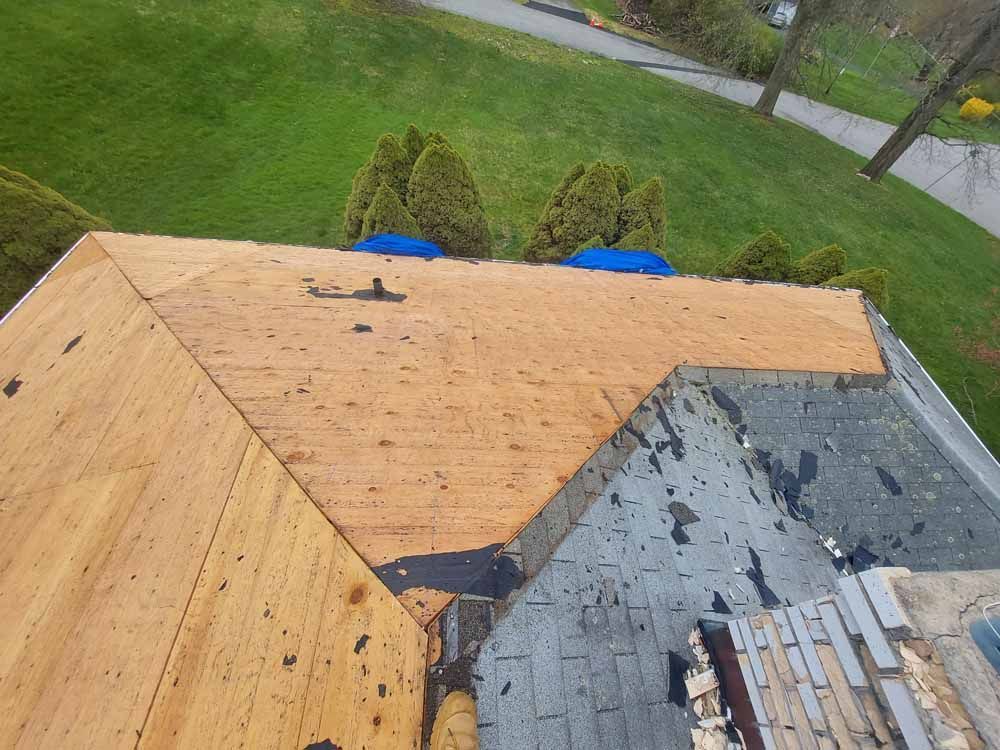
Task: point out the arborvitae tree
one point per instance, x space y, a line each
819 265
436 137
37 225
638 239
623 178
589 208
388 215
389 164
443 199
413 143
874 282
541 242
644 205
595 241
764 258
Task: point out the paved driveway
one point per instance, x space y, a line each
939 168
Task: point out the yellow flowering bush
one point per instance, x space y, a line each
975 109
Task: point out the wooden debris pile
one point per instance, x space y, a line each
950 725
634 15
713 730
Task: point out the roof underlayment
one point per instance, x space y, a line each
236 470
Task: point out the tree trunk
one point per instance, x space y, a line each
783 69
788 60
974 57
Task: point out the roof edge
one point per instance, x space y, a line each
46 275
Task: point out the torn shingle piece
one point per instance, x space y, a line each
843 646
808 648
845 611
816 630
901 702
809 610
768 737
876 585
756 700
750 641
811 703
734 632
784 628
871 631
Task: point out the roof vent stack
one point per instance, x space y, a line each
377 287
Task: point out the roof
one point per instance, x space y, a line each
217 442
469 403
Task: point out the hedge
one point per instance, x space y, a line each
638 239
413 143
874 282
764 258
389 164
644 205
595 241
388 215
443 198
541 243
37 226
819 265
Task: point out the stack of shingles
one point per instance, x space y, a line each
825 674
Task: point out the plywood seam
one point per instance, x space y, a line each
251 428
194 588
319 623
81 478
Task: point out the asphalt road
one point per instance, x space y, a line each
941 168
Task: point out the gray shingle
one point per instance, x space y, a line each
553 732
871 631
901 702
750 642
842 644
654 678
581 709
603 670
882 599
516 723
634 700
756 700
613 730
546 666
602 665
806 646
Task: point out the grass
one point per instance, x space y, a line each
247 121
608 10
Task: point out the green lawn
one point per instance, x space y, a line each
247 120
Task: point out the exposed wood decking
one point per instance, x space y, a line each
158 565
450 423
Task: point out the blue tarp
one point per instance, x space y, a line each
626 261
397 244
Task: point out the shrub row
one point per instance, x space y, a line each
418 187
598 207
769 258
